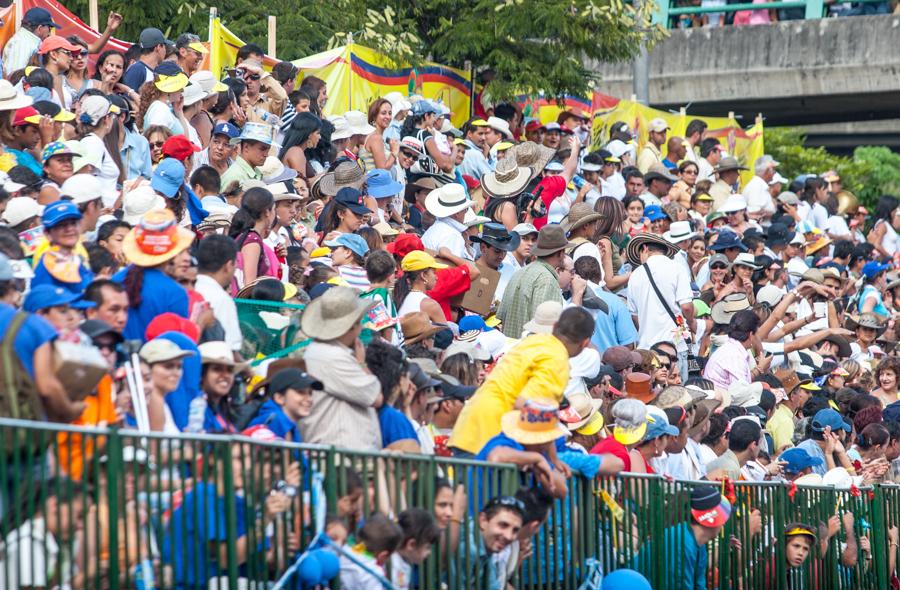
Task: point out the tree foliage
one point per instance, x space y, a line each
532 45
883 172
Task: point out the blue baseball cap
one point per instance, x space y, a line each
379 184
727 239
352 199
658 425
797 460
828 417
227 129
654 213
39 16
351 241
59 211
473 322
871 269
168 177
44 296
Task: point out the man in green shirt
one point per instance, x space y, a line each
256 140
536 283
797 393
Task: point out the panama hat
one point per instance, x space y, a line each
679 231
724 310
10 100
417 327
545 317
346 174
218 352
157 238
583 414
746 259
161 350
508 180
138 201
633 249
447 200
532 155
733 204
580 214
331 315
537 422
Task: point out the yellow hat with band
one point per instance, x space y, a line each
198 47
799 531
418 260
64 116
171 83
479 123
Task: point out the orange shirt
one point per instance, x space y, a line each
100 411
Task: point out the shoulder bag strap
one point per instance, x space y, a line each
659 295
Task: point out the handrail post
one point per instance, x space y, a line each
231 512
114 477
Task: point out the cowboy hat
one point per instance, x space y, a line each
156 239
497 236
746 259
334 313
866 320
346 174
537 422
659 171
447 200
580 214
417 327
724 310
426 183
679 231
728 163
508 180
217 352
633 249
551 239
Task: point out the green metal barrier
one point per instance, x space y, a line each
154 511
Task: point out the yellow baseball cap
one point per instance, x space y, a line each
419 260
479 123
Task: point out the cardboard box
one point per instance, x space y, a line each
480 295
79 368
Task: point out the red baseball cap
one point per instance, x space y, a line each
179 147
26 116
533 126
565 130
54 42
471 182
170 322
404 244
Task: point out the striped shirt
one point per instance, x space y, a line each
19 50
355 276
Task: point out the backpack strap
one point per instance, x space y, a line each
7 356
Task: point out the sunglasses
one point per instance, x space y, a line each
254 77
718 267
107 346
157 144
407 154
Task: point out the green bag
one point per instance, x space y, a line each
19 399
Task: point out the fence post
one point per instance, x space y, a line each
879 539
114 476
814 9
230 512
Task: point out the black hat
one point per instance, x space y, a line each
292 379
352 199
779 235
420 378
497 236
450 388
152 37
93 329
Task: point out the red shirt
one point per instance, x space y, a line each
450 283
613 447
553 187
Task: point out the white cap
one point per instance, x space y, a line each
733 203
8 185
83 188
20 209
617 147
778 179
341 128
525 229
194 93
138 201
657 125
398 103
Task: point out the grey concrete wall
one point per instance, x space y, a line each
812 70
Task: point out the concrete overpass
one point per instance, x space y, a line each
805 72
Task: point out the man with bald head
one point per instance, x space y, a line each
676 152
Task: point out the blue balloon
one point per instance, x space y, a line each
309 571
625 580
329 564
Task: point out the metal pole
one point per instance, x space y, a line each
640 66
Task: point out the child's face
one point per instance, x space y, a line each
797 550
416 553
337 532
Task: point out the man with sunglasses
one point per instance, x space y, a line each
267 97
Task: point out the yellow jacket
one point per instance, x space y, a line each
536 367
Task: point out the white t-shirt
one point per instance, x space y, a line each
655 324
507 270
819 216
837 227
159 113
614 186
223 307
757 194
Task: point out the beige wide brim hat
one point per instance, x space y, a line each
184 238
334 313
511 425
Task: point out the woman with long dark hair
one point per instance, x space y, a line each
611 238
883 234
815 192
302 134
318 91
249 227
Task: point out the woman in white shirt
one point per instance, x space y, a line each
162 102
94 123
884 235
